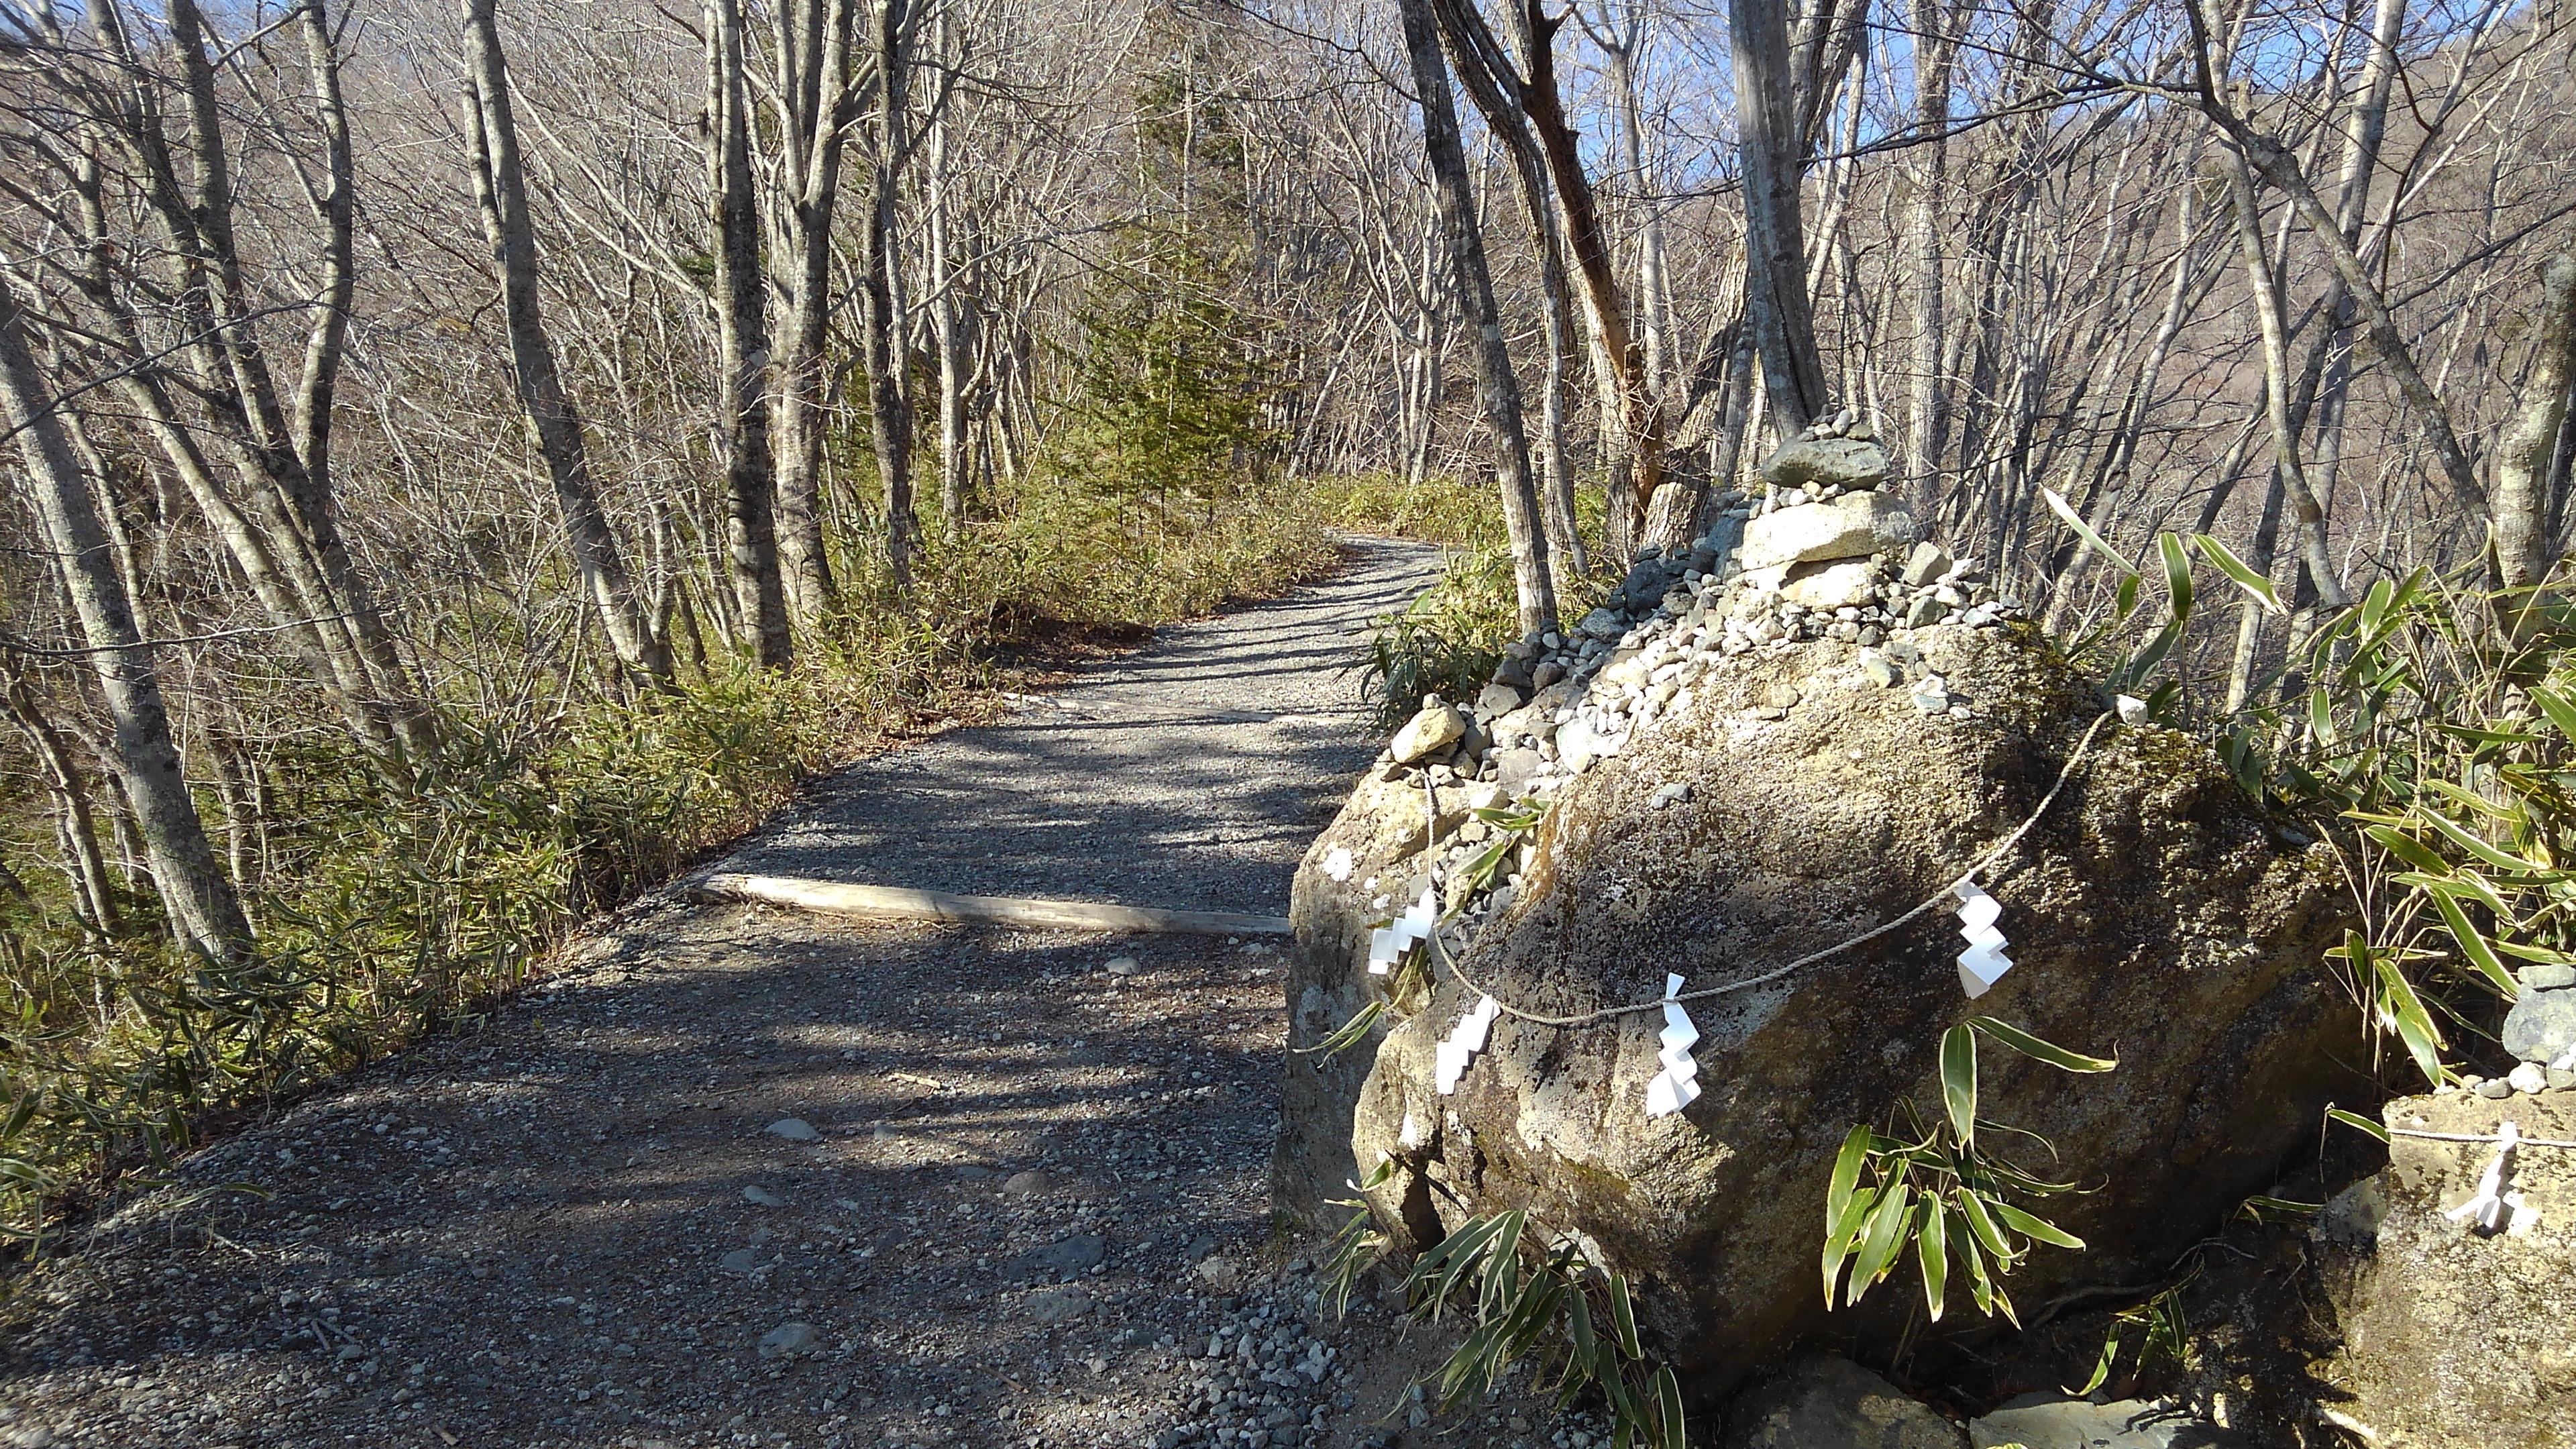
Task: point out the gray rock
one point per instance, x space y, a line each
1837 584
2541 1026
2350 1219
2494 1090
1501 699
794 1129
1882 671
2053 1421
1121 966
2528 1078
1827 462
1513 673
789 1338
1832 1403
1514 768
1601 624
1852 526
1026 1184
2162 862
1672 794
741 1260
759 1196
2560 1079
2547 977
2454 1337
1435 729
1077 1254
1059 1305
973 1172
1929 561
1924 610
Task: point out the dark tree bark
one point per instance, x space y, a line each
742 336
1498 387
1772 143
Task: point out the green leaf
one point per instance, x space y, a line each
2102 1365
2408 849
1959 1080
2474 946
1981 1226
2236 568
2046 1232
1349 1034
2354 1119
1670 1432
2084 531
2177 574
1881 1242
1932 1253
1623 1317
2555 705
2474 846
2038 1050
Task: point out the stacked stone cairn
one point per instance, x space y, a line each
1819 553
2541 1032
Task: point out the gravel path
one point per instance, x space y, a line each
1190 775
748 1178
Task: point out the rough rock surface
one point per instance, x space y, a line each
2151 913
1836 462
1833 1403
2053 1421
2453 1336
1847 526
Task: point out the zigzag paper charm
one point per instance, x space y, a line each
1677 1085
1389 942
1449 1060
1984 962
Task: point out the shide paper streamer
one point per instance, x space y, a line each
1449 1061
1390 941
1984 962
1677 1085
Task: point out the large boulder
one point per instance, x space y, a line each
1853 525
2455 1335
2152 912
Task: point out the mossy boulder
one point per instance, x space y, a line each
2153 913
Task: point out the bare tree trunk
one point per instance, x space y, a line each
2522 540
204 914
1775 248
1499 389
93 895
742 341
500 186
881 317
2265 287
1936 52
817 105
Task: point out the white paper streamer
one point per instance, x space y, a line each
1677 1085
2487 1210
1449 1061
1984 962
1389 942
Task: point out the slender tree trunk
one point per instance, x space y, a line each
204 914
93 895
2522 539
881 316
2265 286
1775 248
742 340
813 40
500 186
1498 388
1936 52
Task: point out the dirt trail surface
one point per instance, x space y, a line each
755 1178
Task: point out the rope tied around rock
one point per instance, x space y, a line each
1948 895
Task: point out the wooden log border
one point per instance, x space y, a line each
892 903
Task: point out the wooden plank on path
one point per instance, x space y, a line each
891 903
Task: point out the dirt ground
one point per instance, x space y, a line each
739 1177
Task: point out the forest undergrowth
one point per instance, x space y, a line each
386 911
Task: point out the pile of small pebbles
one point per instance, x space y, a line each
1848 572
